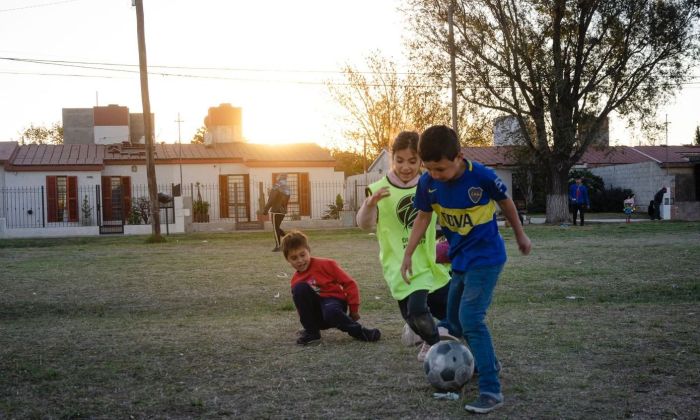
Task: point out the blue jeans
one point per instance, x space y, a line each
470 296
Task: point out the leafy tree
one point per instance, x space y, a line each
42 135
381 103
562 67
697 136
198 137
349 162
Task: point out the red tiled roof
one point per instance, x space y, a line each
92 155
6 149
492 155
59 155
670 154
611 156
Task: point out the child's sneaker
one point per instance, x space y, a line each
484 404
370 334
423 352
445 334
409 338
306 338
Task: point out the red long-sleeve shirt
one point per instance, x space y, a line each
329 280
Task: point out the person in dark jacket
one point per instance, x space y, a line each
277 206
658 199
578 198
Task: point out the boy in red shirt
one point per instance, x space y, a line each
323 293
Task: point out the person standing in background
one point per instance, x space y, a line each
277 206
578 197
658 199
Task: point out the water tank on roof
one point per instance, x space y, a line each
224 122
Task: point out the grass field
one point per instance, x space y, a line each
601 321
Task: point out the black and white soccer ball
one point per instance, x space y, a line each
449 365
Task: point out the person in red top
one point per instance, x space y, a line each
323 293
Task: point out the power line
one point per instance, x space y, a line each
95 66
35 6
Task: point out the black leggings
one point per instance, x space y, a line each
276 229
418 309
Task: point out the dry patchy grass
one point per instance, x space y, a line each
202 326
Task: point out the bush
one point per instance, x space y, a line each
334 209
610 199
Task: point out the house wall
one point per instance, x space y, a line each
326 183
110 134
644 179
38 179
78 126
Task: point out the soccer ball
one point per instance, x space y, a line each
448 365
409 338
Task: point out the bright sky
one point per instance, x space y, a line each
272 58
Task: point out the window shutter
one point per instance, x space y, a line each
106 198
304 194
223 196
51 199
246 187
126 196
72 182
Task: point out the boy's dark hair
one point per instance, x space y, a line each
438 142
405 140
294 240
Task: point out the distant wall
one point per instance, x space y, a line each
78 126
644 179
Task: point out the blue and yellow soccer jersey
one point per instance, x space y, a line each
466 209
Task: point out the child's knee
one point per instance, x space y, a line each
302 289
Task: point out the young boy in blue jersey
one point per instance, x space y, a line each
464 195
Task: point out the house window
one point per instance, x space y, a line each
299 193
234 197
116 198
62 198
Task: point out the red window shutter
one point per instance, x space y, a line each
304 194
246 186
106 198
72 182
223 196
51 199
126 196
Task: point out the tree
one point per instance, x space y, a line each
697 136
562 67
349 162
380 103
198 137
42 135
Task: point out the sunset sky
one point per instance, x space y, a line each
270 58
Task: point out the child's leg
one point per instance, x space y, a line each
479 284
335 315
414 309
437 304
454 298
308 306
276 219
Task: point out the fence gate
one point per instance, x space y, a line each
116 202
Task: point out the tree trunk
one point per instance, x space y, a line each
558 197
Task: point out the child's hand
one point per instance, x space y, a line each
378 195
407 269
355 316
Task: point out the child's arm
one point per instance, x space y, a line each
352 291
420 225
511 214
367 215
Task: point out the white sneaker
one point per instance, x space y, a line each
445 334
423 352
409 338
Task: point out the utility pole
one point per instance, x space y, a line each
179 142
666 124
150 148
453 70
